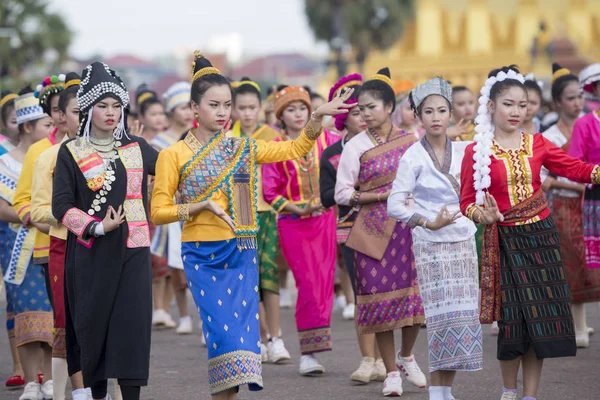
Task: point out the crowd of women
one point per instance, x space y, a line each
444 209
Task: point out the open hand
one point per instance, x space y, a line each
443 218
137 129
219 212
337 105
312 206
461 128
490 214
113 219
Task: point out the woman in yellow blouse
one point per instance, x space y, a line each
216 177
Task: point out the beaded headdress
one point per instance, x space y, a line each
28 108
485 134
588 77
288 95
99 82
49 86
433 86
177 94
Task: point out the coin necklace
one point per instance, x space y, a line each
107 150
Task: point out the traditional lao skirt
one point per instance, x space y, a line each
387 290
591 226
224 283
29 313
449 284
584 282
56 269
536 302
7 238
268 248
309 247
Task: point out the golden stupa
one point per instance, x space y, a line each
462 40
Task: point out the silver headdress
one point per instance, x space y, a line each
433 86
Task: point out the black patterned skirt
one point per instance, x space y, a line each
536 302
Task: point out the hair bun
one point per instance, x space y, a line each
5 93
72 76
245 78
556 67
504 69
201 62
25 90
385 71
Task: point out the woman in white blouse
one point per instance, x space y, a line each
444 242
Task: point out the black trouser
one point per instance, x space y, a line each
130 389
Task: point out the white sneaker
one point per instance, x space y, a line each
509 396
277 351
48 390
285 299
365 371
339 303
83 394
32 391
264 353
202 337
392 386
348 313
379 372
590 330
185 326
409 367
494 329
158 317
582 339
310 366
169 323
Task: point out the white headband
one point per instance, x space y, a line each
485 134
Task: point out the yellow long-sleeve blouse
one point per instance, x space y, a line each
41 192
22 198
206 226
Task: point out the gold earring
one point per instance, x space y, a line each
196 116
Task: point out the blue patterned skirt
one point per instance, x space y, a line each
224 283
28 311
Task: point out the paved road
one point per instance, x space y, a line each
178 370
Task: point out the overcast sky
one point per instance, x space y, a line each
154 27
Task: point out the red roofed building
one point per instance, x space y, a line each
292 69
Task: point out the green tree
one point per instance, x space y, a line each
29 33
360 25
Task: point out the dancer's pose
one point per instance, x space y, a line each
444 242
214 173
387 291
522 279
100 196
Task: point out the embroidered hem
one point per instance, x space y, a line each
315 340
59 345
389 311
235 369
34 326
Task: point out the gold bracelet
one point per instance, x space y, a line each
311 131
183 212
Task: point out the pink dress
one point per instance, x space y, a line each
308 243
